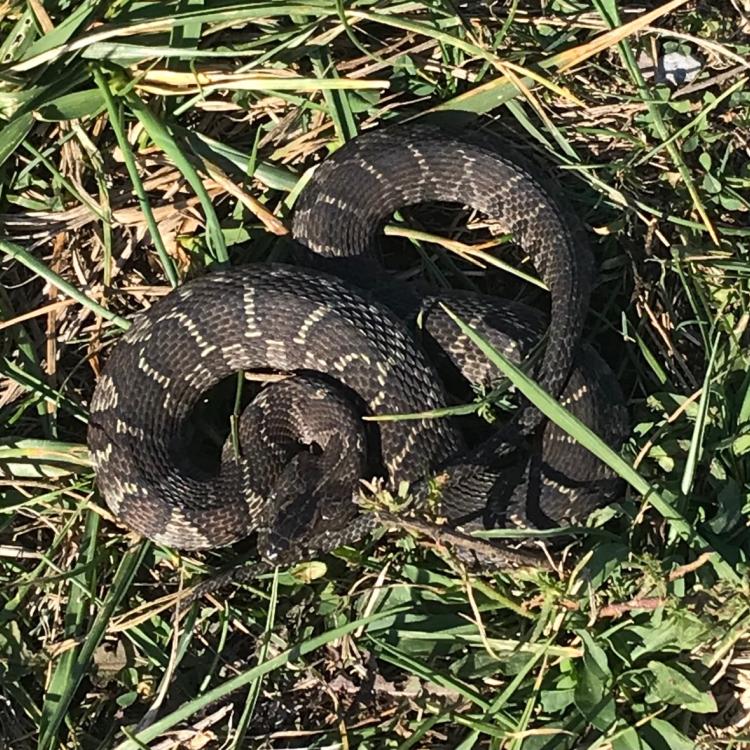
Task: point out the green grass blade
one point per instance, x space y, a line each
64 674
609 12
76 670
135 178
12 135
699 428
161 136
550 407
245 678
25 257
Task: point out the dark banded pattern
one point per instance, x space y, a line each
303 445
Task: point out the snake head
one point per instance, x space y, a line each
305 509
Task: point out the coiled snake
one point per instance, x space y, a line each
303 445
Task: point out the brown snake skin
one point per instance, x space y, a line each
303 446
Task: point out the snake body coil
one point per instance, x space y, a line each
303 446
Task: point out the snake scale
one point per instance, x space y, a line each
302 444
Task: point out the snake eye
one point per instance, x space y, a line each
273 548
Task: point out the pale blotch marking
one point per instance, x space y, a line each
570 492
343 207
138 333
276 353
200 377
101 457
576 396
116 494
123 428
163 380
252 331
393 466
382 374
371 169
190 327
378 400
331 200
341 363
314 361
235 355
320 247
181 528
105 395
562 437
314 317
114 498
